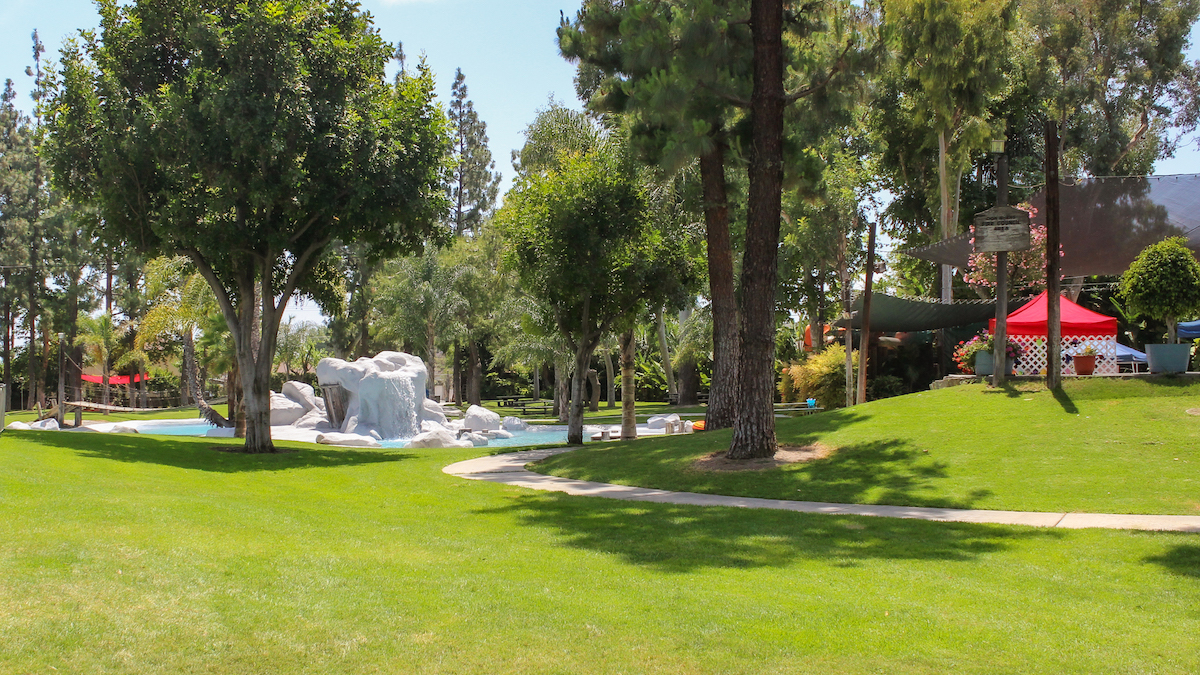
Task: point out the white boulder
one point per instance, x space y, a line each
660 421
385 393
438 438
123 429
351 440
499 433
220 432
49 424
432 411
18 426
301 393
285 411
477 440
480 419
514 424
313 419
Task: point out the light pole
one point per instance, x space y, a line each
1000 339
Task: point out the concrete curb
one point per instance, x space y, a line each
510 469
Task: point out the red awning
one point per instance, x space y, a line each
1076 320
114 379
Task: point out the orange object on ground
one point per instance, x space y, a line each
698 425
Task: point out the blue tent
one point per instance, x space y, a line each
1188 330
1129 354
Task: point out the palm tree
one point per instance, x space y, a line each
99 336
180 300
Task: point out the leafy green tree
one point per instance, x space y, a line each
1115 77
1163 283
581 242
249 137
474 182
419 305
949 58
16 152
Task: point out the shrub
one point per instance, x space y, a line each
823 376
1163 283
884 386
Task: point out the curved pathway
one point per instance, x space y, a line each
510 469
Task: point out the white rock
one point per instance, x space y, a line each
18 426
285 411
375 434
385 393
660 421
499 433
479 419
311 420
476 439
438 438
220 432
49 424
301 393
123 429
514 424
432 411
352 440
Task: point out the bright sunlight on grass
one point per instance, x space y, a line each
134 554
1099 446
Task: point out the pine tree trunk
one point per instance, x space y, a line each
610 381
754 423
456 376
7 347
689 383
722 399
628 399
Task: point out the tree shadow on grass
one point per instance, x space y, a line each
1183 560
676 538
207 454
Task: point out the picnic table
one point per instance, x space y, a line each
530 405
508 401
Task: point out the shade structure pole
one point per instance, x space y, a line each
1053 305
864 342
1000 338
62 382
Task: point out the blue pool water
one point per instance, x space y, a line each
535 435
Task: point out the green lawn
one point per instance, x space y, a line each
133 554
1100 446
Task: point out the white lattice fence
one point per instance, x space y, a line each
1033 358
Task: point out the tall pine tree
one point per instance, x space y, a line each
475 182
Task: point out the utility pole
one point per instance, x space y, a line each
1053 306
1000 338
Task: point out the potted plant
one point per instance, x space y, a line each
1085 361
1164 283
974 356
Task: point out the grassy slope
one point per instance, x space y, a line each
1102 446
129 554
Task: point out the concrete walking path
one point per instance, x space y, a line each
510 469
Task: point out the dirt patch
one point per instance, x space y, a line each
786 454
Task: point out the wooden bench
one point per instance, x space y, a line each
796 408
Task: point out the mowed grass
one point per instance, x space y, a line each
134 554
1098 446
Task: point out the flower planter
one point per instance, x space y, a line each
984 363
1084 364
1168 358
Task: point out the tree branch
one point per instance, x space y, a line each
837 68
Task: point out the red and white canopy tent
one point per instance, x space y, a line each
113 379
1081 327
